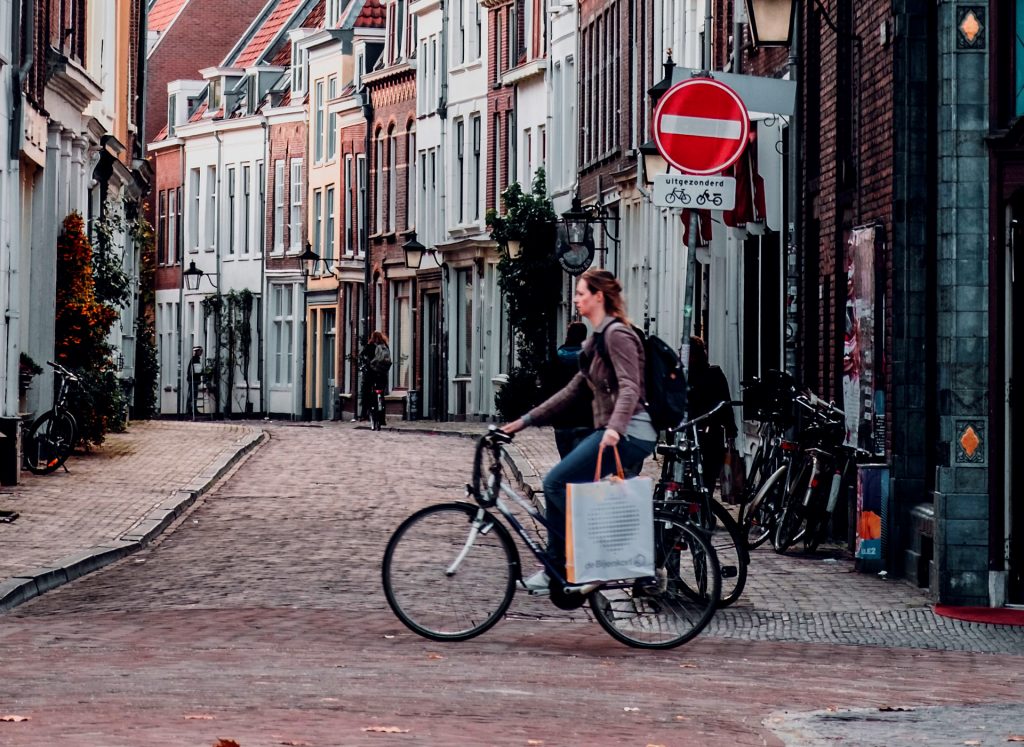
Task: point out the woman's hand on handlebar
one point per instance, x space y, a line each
514 427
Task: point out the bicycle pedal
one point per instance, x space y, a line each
729 571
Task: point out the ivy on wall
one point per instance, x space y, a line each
532 287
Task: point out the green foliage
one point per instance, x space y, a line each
232 330
532 286
113 284
147 366
82 324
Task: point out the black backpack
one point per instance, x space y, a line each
664 380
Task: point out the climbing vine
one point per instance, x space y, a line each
532 287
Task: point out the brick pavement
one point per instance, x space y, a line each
111 500
260 618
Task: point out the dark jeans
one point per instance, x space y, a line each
579 466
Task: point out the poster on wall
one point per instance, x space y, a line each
863 389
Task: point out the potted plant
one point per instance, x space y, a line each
28 369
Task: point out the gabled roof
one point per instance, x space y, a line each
372 15
163 13
261 40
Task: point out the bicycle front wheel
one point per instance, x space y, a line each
450 571
49 442
677 604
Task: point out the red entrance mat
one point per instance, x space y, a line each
991 615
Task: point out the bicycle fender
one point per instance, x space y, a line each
772 478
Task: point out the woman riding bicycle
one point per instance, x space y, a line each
619 416
375 360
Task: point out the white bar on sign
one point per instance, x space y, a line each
725 129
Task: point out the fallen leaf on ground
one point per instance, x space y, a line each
15 718
226 743
385 730
389 637
682 718
434 656
534 742
655 745
198 717
832 709
687 666
296 743
1015 738
973 742
630 708
329 700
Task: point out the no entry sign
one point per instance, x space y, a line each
701 126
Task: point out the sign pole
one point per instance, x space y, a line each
691 264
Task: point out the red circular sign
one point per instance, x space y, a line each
701 126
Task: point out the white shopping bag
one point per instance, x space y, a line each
609 528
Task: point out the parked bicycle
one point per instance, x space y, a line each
682 490
52 436
450 570
377 416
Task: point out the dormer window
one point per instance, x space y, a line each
172 114
299 59
333 13
216 91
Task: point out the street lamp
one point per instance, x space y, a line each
654 164
308 261
658 89
514 247
414 252
193 276
771 22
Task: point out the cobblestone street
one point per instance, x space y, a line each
259 617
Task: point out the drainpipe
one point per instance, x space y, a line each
139 145
442 112
216 268
181 383
365 239
260 351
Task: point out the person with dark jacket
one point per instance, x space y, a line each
707 387
576 423
374 363
617 406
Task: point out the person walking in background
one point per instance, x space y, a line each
707 387
614 383
577 421
374 362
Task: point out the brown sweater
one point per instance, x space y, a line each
611 408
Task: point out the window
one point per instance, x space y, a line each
378 181
511 173
527 153
328 252
460 174
361 203
231 211
347 229
421 83
193 219
173 225
477 51
464 321
332 119
295 227
298 70
211 207
318 221
278 206
496 161
392 179
497 47
261 205
161 228
172 114
432 209
410 177
1018 57
460 17
425 200
246 211
282 321
475 195
318 127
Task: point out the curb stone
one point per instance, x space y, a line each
20 589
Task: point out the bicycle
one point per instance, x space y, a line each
377 414
52 435
681 490
678 194
450 570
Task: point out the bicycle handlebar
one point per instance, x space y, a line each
720 406
62 371
492 440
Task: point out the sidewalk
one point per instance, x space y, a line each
111 502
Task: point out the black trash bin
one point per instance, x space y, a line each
412 404
10 450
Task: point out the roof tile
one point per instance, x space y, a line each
372 16
260 41
163 14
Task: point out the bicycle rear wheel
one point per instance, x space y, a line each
731 549
790 526
446 577
49 442
760 516
677 605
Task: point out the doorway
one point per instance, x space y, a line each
432 366
1014 388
